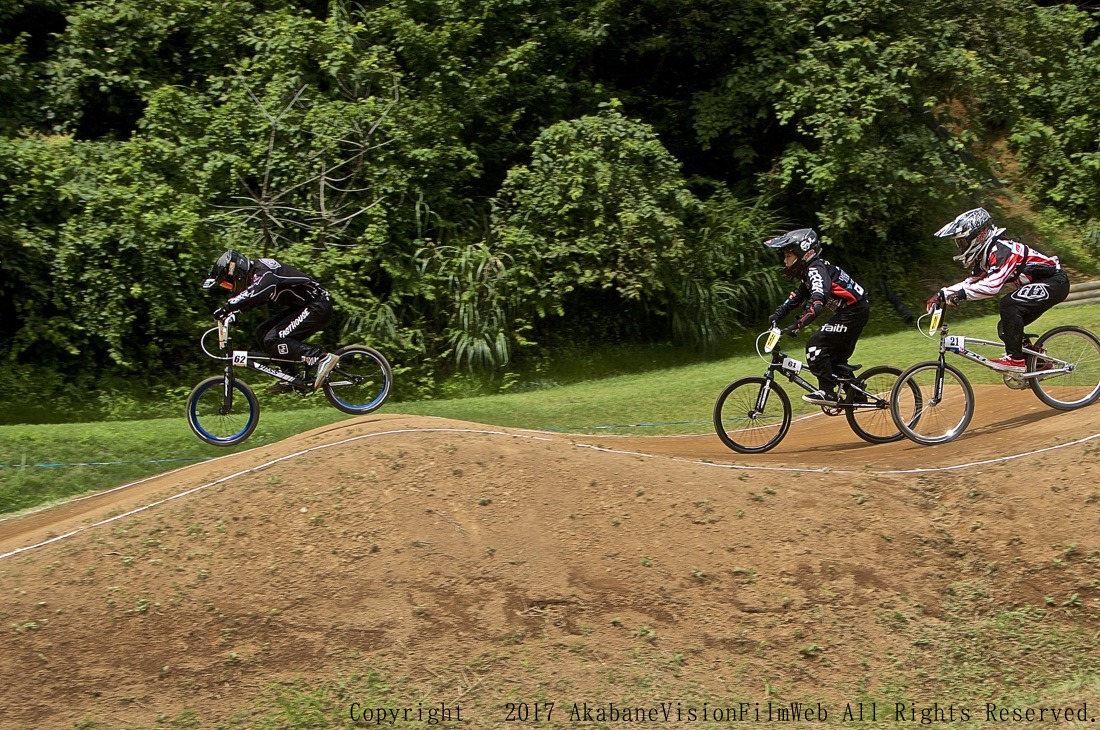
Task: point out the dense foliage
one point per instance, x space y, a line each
477 179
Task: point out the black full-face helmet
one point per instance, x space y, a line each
803 243
230 271
973 233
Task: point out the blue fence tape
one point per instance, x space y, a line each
102 463
574 429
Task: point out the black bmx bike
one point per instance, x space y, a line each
753 414
1062 369
222 410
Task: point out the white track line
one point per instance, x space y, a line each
222 480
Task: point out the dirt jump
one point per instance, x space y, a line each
423 571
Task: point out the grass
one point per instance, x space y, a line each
660 401
961 671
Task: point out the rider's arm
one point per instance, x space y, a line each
1000 269
260 291
818 283
793 300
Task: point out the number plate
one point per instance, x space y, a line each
789 363
937 315
955 342
240 357
772 341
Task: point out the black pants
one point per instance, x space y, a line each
835 342
283 333
1023 306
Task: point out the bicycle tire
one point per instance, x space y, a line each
1068 391
875 426
205 417
735 406
930 423
360 382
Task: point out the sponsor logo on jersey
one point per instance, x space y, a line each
831 327
816 282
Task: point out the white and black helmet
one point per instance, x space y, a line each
973 232
803 243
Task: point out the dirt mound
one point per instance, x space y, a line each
427 565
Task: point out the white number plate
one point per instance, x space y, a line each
240 357
789 363
955 342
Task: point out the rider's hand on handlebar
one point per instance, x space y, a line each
224 316
934 302
791 331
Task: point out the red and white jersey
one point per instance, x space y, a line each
1006 263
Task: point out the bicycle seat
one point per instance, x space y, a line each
846 371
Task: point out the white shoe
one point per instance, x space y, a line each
324 367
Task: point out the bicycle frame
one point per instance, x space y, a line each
957 344
246 359
790 368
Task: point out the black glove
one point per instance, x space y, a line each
791 331
773 321
221 313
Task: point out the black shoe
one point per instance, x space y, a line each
821 398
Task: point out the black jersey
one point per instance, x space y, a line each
276 283
829 284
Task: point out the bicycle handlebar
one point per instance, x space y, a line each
936 313
223 328
773 335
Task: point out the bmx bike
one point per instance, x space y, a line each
222 410
1063 370
753 414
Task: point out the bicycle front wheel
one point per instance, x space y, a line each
218 422
921 415
1074 347
868 406
360 382
752 415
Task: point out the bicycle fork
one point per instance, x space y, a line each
937 389
227 390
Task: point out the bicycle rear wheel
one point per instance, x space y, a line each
1074 346
360 382
746 427
922 417
868 412
214 422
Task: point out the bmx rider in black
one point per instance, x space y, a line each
306 308
823 286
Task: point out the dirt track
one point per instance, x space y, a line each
481 563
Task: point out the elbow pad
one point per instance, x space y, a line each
810 313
